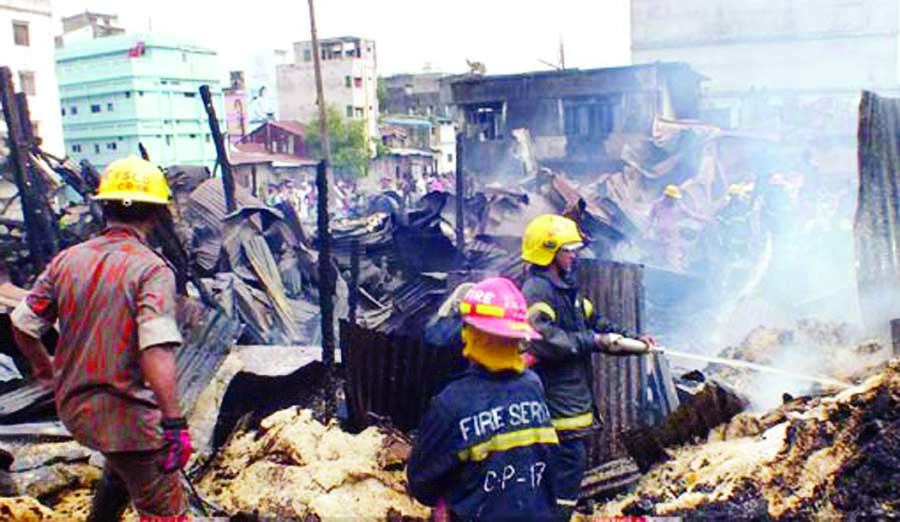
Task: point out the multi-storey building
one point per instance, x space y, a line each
123 90
26 46
765 60
88 26
349 76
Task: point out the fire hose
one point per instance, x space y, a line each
636 345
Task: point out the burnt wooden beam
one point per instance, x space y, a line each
221 153
19 151
353 297
326 275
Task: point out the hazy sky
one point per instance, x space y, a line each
506 35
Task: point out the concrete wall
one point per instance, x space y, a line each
38 58
112 101
819 46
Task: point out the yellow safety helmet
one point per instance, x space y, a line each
545 235
133 180
672 191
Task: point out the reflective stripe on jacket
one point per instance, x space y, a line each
485 446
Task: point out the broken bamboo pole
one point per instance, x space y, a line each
460 194
221 153
19 150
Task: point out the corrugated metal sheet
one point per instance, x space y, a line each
877 227
210 335
24 399
392 376
620 383
392 373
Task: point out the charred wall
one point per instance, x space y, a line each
571 115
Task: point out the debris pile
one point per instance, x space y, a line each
829 457
294 467
812 347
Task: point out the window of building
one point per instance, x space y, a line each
357 82
76 148
168 139
184 57
74 110
109 107
307 55
140 93
449 158
589 119
190 95
128 94
26 82
359 113
192 136
208 138
349 111
96 148
347 81
20 33
111 146
63 111
95 108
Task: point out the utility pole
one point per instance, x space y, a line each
320 95
562 54
325 188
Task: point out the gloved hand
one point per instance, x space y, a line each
450 306
441 512
178 445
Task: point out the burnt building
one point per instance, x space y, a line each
579 121
426 94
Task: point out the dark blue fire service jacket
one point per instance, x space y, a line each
485 446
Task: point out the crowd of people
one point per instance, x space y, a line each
352 200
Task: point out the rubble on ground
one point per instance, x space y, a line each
293 466
833 456
813 348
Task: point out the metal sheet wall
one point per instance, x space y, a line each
620 383
877 226
394 376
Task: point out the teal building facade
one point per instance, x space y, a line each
118 91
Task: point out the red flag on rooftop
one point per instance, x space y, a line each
137 50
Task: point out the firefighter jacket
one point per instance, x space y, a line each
566 321
485 446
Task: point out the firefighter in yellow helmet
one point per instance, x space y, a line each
571 332
668 216
113 372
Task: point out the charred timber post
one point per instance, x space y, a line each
895 335
18 152
460 194
326 277
353 298
221 153
41 189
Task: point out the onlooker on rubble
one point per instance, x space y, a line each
114 367
571 331
667 218
485 445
